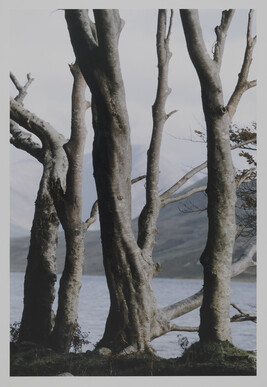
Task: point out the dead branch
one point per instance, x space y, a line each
93 215
21 89
242 316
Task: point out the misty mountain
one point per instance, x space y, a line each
25 176
182 233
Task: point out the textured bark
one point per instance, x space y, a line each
60 193
128 273
217 256
39 291
69 209
128 266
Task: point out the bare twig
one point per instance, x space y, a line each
93 215
242 316
183 196
21 89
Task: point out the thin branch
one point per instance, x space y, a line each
178 328
243 84
242 316
183 196
243 143
243 178
170 25
136 179
93 215
171 113
149 215
194 171
21 89
182 181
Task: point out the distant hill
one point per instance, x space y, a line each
25 177
182 236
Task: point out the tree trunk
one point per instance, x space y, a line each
128 273
68 295
69 209
39 292
217 256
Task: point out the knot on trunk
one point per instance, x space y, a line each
222 110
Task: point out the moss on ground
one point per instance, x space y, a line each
215 359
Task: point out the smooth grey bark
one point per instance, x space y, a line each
217 255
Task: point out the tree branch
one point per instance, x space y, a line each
190 303
178 328
205 66
93 215
21 89
183 196
23 141
182 181
43 130
242 316
149 215
75 146
221 33
242 83
82 29
165 196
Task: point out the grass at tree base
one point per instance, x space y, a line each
198 360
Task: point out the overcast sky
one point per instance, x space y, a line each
39 44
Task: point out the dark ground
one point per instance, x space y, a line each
213 359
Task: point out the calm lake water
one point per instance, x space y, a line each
94 306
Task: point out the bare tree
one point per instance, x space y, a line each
217 256
134 319
40 277
59 198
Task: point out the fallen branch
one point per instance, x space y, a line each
242 316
